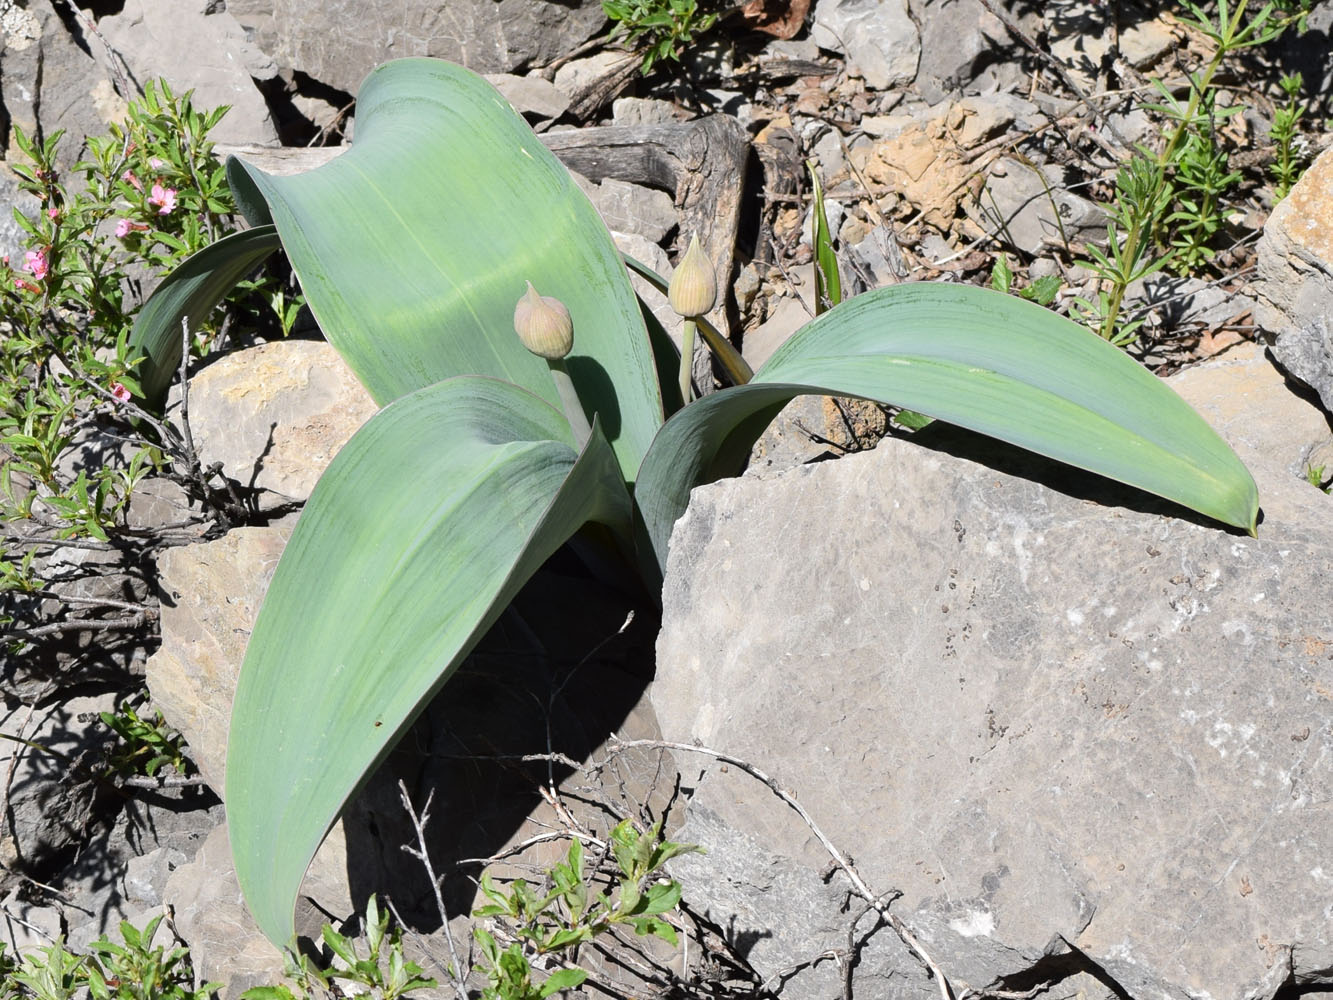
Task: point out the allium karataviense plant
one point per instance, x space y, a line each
413 249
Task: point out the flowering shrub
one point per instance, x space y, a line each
150 194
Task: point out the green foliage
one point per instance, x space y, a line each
572 912
451 497
1042 291
1290 159
659 29
134 970
1168 208
1316 476
145 744
150 194
828 284
383 973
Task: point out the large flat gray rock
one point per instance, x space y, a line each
339 42
1076 731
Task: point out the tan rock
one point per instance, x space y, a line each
275 415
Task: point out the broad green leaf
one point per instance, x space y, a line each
973 357
191 292
415 245
416 538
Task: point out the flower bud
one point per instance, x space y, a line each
543 325
693 288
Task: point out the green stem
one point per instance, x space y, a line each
1136 233
687 361
569 399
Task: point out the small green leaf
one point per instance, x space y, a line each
562 979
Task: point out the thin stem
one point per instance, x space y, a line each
687 362
569 400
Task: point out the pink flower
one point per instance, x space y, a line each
124 227
155 162
53 213
165 197
34 261
120 392
129 178
26 286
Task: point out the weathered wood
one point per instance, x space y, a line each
702 163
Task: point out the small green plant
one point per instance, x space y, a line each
148 195
145 745
1285 135
571 913
1042 291
382 974
477 469
1316 476
659 29
134 970
1167 208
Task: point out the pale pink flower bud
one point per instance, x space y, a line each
693 288
543 325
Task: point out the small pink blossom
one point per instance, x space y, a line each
129 178
26 286
155 162
164 197
124 227
53 213
121 394
34 261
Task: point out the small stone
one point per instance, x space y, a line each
531 95
878 37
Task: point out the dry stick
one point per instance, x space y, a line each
616 746
423 855
79 625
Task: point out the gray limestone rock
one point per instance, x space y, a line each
338 43
1028 211
204 52
1295 279
878 37
958 37
1076 730
50 81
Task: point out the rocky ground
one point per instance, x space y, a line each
947 134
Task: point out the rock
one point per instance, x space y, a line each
877 36
1295 279
1029 212
1078 738
339 43
275 415
958 37
50 81
656 258
627 111
12 235
210 915
634 208
210 595
531 96
206 53
1176 301
50 799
